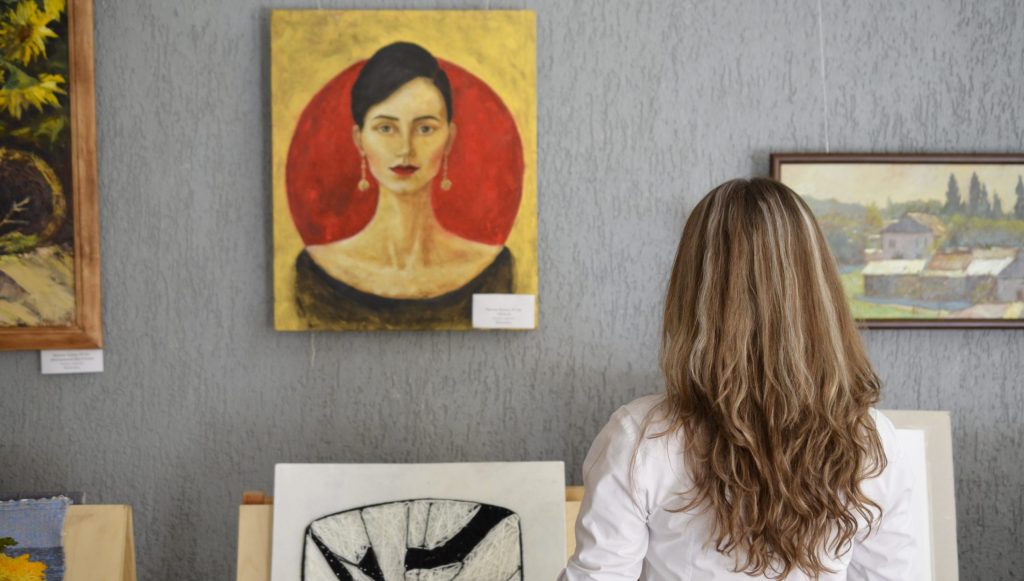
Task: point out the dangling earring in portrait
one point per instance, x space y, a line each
364 184
446 184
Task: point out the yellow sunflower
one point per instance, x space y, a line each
31 92
24 31
53 8
21 569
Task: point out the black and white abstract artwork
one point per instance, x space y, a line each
415 540
478 521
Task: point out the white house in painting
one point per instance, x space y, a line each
1010 281
893 278
992 275
911 237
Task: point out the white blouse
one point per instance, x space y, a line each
620 535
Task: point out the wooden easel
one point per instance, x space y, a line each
256 514
99 543
256 519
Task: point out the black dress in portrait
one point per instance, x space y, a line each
328 303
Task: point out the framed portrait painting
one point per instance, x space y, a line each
49 218
404 166
931 240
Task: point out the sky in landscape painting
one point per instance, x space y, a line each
863 183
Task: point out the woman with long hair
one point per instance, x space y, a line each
764 458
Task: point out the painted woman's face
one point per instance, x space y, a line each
405 137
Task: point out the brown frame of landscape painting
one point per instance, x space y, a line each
921 240
48 132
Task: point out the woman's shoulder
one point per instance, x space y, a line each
887 434
638 445
882 422
642 428
895 456
638 415
630 421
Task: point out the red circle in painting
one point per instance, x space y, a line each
485 165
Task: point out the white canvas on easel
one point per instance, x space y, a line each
912 442
366 521
925 437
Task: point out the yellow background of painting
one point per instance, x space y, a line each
310 47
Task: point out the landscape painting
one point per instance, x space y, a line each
920 241
49 231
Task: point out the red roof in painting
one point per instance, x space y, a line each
952 261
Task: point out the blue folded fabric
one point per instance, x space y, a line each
76 497
32 538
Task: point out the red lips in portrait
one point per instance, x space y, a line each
404 170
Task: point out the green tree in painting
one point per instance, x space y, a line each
873 218
984 207
981 232
954 203
31 83
974 196
1018 208
997 206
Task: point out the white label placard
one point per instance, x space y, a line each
74 361
494 311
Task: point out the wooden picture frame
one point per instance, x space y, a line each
939 256
85 330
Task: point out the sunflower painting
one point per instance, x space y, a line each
21 568
40 258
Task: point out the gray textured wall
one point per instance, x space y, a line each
643 106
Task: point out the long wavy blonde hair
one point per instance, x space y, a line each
769 382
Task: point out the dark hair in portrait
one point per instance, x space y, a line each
391 67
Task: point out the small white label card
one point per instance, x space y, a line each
76 361
504 311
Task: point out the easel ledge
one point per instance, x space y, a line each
256 523
99 543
